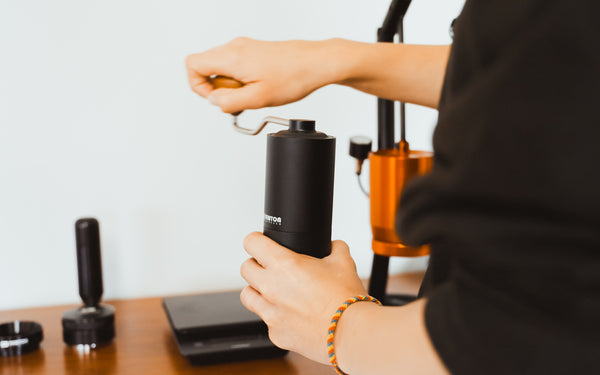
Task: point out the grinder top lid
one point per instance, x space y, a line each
300 125
301 128
295 128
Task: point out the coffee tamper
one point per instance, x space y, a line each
92 324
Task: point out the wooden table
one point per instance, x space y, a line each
144 344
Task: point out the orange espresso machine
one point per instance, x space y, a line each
391 167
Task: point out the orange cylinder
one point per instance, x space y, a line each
390 170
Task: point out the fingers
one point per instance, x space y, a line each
220 60
253 273
266 251
234 100
254 302
230 100
199 83
199 68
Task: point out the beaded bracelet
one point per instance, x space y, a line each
333 327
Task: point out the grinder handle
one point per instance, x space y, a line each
223 82
219 81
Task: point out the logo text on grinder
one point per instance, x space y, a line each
275 220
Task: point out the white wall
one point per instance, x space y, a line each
96 119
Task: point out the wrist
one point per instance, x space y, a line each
337 58
351 326
354 63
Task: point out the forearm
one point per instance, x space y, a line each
403 72
385 340
278 73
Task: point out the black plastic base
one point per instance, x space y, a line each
19 337
93 326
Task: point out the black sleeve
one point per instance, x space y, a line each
512 205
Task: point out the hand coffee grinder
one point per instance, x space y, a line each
391 167
298 183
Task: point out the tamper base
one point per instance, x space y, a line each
91 326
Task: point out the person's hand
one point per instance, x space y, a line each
296 295
274 73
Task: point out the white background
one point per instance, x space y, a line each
96 119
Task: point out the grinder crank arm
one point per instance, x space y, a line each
219 81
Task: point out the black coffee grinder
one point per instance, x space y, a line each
298 184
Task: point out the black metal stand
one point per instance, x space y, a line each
392 25
379 277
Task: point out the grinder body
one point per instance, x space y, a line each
299 188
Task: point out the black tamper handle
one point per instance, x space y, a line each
89 266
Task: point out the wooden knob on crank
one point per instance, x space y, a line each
222 82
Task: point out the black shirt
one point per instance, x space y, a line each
512 205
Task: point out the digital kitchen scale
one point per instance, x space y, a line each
215 328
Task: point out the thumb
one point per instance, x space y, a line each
239 99
340 251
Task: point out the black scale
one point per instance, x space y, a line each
215 328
